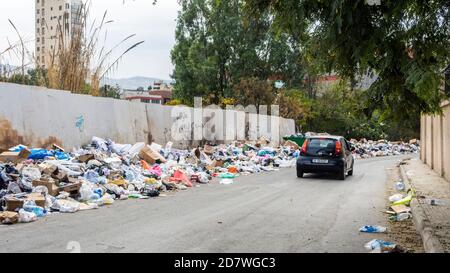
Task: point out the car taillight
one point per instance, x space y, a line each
338 148
304 147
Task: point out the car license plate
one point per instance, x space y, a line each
320 161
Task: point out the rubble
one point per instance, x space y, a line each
36 182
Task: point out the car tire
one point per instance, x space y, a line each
341 175
299 173
350 173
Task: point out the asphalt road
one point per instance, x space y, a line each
268 212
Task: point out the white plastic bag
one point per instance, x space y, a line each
26 217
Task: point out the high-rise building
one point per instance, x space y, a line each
53 19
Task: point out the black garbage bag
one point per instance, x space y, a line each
150 191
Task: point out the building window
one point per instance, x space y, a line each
43 41
43 2
43 12
38 39
60 17
38 11
37 30
67 6
51 8
43 31
37 21
60 7
37 1
37 49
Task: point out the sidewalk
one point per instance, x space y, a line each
431 221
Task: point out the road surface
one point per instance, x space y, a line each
267 212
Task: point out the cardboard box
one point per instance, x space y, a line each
72 188
207 149
291 144
150 155
50 184
60 176
13 203
9 217
49 169
14 157
85 158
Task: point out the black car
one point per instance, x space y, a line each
326 154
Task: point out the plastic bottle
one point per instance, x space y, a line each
400 186
436 202
401 217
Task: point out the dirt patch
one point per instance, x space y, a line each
47 143
402 233
8 136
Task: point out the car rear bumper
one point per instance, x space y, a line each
305 164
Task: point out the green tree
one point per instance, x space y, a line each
217 45
406 43
110 91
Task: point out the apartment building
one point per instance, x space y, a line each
53 19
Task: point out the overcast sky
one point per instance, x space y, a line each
153 23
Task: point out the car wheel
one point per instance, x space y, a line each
341 175
299 173
350 173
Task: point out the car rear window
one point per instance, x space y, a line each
321 146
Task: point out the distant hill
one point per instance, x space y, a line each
134 82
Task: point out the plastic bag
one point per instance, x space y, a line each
66 206
31 173
26 217
395 198
37 154
373 229
30 206
107 199
226 181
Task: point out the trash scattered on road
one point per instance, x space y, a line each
369 148
435 202
35 182
380 246
400 217
400 186
398 209
373 229
395 198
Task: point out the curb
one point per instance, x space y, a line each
423 226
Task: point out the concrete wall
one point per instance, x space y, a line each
39 117
435 136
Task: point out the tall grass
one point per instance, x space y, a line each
78 62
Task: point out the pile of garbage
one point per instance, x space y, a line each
37 182
368 148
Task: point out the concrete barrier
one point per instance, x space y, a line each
39 117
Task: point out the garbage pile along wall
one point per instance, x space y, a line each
369 148
37 117
37 182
